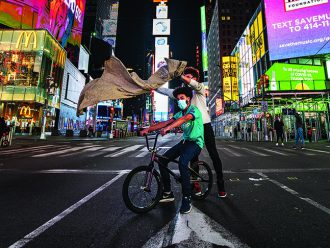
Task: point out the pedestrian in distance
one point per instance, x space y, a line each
279 128
191 78
192 143
299 132
309 134
235 133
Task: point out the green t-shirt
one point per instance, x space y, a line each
193 130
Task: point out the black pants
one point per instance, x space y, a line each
279 135
209 140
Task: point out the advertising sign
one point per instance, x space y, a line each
161 11
204 43
297 28
109 27
229 78
63 18
256 39
218 106
161 27
160 41
296 77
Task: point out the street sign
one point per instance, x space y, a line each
264 105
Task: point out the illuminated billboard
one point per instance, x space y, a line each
63 18
256 39
296 77
204 43
161 27
229 78
161 11
297 28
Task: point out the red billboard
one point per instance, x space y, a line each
63 18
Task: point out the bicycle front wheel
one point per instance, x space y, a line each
201 180
142 189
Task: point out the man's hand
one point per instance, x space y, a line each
144 132
186 78
164 131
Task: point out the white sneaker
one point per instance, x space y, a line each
282 144
276 144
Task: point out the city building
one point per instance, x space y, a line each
36 40
224 25
281 66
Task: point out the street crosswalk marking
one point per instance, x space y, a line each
28 149
109 149
273 151
232 152
314 150
126 150
251 151
60 152
143 152
82 151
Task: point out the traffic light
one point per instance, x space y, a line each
266 81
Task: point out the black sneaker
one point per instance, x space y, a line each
186 205
167 197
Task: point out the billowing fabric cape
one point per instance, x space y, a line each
117 83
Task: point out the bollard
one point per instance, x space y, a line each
258 133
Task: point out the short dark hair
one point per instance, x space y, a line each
193 71
183 90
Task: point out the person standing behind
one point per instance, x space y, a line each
309 134
299 132
279 128
190 77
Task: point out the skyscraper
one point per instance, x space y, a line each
226 21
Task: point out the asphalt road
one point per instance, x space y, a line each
68 194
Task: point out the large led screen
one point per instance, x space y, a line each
63 18
297 28
296 77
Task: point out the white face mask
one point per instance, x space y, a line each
182 104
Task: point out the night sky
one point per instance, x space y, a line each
134 30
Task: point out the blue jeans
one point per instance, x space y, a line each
186 150
299 136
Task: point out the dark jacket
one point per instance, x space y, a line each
299 122
279 125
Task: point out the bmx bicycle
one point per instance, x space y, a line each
143 186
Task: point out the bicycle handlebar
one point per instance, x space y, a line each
155 138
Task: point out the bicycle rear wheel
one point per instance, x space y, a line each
142 189
201 179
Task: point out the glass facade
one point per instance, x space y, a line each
27 58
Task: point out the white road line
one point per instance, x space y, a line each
32 235
193 229
109 149
24 149
295 193
231 152
273 151
126 150
82 151
60 152
313 150
143 153
250 150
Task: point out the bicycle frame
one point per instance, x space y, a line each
155 158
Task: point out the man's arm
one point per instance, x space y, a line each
177 123
156 127
199 88
166 91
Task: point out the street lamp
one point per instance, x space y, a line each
50 87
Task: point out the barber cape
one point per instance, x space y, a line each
117 83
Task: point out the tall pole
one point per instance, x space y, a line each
45 110
264 113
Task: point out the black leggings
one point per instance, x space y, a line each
209 140
279 135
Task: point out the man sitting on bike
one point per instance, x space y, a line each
190 121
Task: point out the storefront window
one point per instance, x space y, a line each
19 68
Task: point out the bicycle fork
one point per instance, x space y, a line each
148 178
